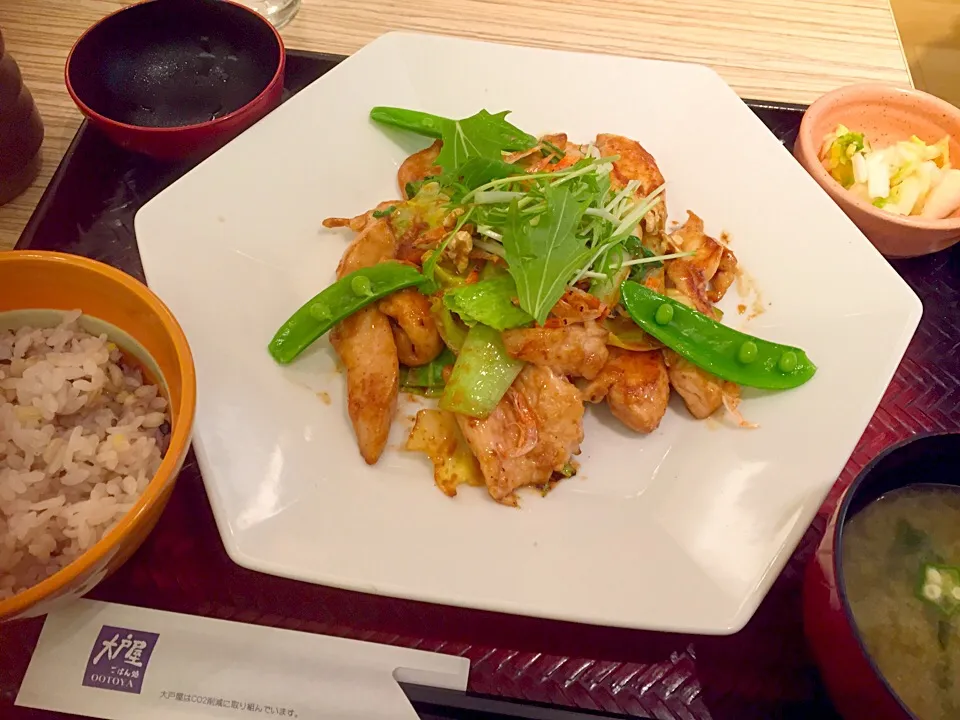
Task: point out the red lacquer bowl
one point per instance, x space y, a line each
175 79
853 681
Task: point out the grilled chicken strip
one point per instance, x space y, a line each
366 347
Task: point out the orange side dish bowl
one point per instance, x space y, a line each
885 115
33 280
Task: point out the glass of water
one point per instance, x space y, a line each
278 12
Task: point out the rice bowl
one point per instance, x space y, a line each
134 388
81 435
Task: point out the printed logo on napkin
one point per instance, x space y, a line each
119 659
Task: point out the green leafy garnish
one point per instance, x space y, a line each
385 212
490 301
482 135
543 252
478 171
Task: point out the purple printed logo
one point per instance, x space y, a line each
119 659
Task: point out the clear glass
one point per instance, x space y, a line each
278 12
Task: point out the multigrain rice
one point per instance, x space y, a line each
81 436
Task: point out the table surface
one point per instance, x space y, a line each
787 50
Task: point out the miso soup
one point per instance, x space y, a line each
901 569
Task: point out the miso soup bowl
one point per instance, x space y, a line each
852 679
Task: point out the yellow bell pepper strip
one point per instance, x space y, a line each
727 353
346 296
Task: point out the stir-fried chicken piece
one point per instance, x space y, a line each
418 166
364 342
636 387
702 392
533 433
692 275
635 163
579 350
576 306
414 329
725 277
374 245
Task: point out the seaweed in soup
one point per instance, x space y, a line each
887 548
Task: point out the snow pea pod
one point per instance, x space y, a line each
346 296
727 353
415 121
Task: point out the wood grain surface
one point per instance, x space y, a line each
789 50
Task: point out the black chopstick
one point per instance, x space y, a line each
440 704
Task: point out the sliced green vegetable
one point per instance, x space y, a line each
494 270
939 586
444 279
452 331
490 301
715 347
346 296
482 374
427 379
